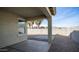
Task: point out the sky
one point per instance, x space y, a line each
65 17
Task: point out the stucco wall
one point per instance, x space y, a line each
9 29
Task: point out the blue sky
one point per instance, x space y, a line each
65 17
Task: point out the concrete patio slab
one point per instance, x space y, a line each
32 46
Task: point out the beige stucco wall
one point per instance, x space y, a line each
9 29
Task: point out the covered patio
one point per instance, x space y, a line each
11 39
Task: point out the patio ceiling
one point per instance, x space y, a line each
29 12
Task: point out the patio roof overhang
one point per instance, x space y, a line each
31 12
52 10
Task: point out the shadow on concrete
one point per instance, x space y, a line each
38 37
28 46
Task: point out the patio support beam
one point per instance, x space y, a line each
47 13
50 30
26 27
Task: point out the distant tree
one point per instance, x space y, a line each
38 22
32 21
29 23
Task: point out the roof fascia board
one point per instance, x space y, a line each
46 11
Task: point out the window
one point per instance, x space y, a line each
21 25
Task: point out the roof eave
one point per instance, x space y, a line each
52 10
